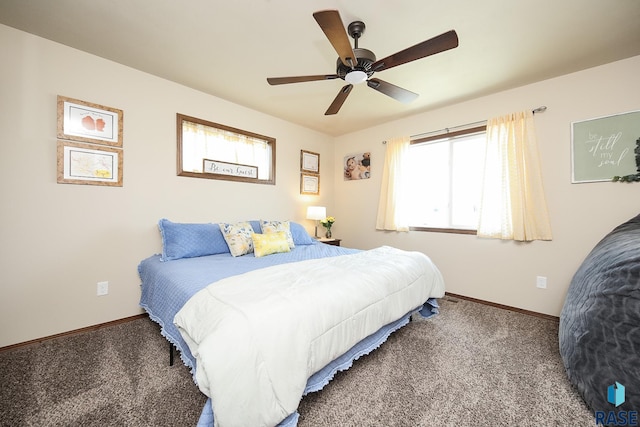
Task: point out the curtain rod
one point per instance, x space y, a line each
541 109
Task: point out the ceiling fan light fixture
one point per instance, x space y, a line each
356 77
357 65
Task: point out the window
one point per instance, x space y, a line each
445 175
214 151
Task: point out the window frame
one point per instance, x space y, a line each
446 135
180 118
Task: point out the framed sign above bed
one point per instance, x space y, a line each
603 147
214 151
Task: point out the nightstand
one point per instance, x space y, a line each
332 242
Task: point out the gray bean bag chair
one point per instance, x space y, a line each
600 322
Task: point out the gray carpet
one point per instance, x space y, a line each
473 365
115 376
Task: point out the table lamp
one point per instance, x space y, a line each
316 213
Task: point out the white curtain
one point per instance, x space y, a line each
391 206
206 142
513 205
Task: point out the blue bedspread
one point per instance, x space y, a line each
166 286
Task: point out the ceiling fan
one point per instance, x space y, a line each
358 65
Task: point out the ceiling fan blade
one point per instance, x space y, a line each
337 103
331 24
395 92
299 79
445 41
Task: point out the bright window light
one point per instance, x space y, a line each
446 180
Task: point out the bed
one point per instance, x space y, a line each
599 333
261 327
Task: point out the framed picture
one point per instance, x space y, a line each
603 147
89 164
309 162
357 166
309 184
86 122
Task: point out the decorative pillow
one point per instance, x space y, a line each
273 226
300 235
190 240
270 243
238 237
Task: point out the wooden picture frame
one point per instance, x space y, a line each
309 162
89 164
309 184
87 122
195 162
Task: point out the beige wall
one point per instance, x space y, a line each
59 240
501 271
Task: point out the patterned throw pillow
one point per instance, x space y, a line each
238 237
270 243
273 226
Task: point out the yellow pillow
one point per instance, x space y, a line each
271 226
269 243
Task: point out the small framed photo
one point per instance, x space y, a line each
309 162
86 122
89 164
357 166
309 184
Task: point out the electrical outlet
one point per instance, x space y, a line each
541 282
103 288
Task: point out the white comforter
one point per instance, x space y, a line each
258 337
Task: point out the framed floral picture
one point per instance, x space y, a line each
86 122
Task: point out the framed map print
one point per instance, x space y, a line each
89 164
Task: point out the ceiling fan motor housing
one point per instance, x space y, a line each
365 59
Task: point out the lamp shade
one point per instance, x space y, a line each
316 212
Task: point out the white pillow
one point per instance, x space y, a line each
238 237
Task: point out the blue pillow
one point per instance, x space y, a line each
300 235
190 240
255 224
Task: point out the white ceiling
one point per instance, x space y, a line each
229 48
